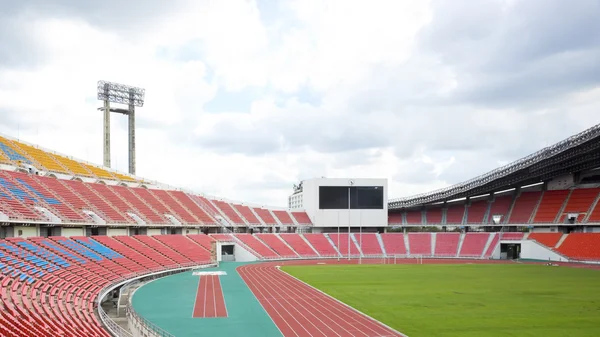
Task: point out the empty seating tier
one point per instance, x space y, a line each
395 218
580 202
276 244
229 212
284 217
500 207
256 246
321 244
581 246
455 214
446 244
247 213
266 216
476 212
394 243
368 243
302 218
524 206
299 245
474 244
550 205
344 243
419 243
512 236
434 216
547 239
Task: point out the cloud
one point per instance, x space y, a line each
246 98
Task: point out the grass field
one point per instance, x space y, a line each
467 300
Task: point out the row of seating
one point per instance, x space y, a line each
15 152
274 246
23 195
578 246
49 285
537 207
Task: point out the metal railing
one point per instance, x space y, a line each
118 331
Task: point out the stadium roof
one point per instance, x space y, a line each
574 154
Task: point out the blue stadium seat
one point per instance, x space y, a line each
101 249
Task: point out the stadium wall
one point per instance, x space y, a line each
343 217
531 249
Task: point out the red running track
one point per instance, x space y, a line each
209 298
301 310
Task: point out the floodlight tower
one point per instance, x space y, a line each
122 94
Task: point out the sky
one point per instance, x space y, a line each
246 98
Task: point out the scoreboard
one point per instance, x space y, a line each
339 202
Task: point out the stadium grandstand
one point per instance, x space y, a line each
76 235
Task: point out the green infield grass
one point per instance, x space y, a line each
467 299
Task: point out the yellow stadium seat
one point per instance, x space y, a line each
43 158
123 177
11 152
99 172
73 166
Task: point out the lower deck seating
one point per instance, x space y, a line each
474 244
419 243
368 243
321 244
446 244
299 245
344 244
257 246
49 285
547 239
276 244
394 243
581 246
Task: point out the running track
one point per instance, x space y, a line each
209 298
300 310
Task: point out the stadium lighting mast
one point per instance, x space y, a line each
110 92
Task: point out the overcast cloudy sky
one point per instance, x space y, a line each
245 98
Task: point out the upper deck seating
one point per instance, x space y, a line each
284 217
247 213
476 212
455 214
302 218
395 218
229 212
433 216
550 205
501 207
524 206
579 202
266 216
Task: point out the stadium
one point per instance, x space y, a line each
88 251
432 193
